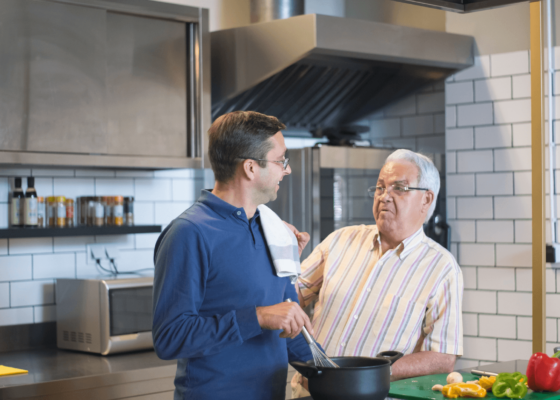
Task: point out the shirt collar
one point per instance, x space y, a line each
405 247
221 207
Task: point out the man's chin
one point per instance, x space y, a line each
268 197
383 222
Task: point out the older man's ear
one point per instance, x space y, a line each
427 200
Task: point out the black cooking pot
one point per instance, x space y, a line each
358 378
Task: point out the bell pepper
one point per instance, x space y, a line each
487 382
512 385
461 389
543 372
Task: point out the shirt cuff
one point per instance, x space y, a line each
248 323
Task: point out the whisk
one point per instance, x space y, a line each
320 358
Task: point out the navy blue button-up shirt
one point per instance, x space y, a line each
213 269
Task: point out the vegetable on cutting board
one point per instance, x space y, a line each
543 373
462 389
512 386
454 377
457 388
487 382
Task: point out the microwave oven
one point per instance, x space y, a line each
104 315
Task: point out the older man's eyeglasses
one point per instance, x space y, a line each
283 162
399 190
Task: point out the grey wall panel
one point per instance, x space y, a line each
146 86
66 89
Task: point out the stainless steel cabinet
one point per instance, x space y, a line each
122 83
146 86
65 62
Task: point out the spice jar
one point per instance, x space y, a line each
90 211
97 211
82 210
51 211
129 210
41 212
108 201
60 205
69 212
118 210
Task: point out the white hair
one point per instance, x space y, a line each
428 175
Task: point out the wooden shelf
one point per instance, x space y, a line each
11 233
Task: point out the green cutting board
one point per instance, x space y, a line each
420 388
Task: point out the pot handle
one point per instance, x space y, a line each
390 355
305 369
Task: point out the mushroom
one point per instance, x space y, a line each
439 388
454 377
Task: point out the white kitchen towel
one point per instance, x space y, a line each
282 244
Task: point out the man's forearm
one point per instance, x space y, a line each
422 363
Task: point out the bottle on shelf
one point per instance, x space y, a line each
129 210
30 209
17 204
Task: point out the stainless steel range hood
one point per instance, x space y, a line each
315 71
462 6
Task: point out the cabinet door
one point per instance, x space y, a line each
65 86
146 86
13 75
52 77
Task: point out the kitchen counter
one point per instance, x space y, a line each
60 374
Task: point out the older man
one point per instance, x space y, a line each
388 286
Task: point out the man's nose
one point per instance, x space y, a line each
288 170
385 195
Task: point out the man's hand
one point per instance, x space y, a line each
302 237
286 316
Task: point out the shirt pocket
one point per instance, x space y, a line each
398 324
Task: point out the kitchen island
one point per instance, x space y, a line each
61 374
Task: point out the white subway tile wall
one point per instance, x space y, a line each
29 267
489 137
417 122
488 143
492 89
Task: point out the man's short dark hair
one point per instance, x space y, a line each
240 134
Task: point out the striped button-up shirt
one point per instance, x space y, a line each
370 302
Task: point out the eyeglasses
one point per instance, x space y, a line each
284 162
399 190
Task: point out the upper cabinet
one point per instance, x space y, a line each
123 83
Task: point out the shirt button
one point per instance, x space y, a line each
355 317
238 212
368 289
342 344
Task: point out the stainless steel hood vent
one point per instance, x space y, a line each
315 71
462 6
